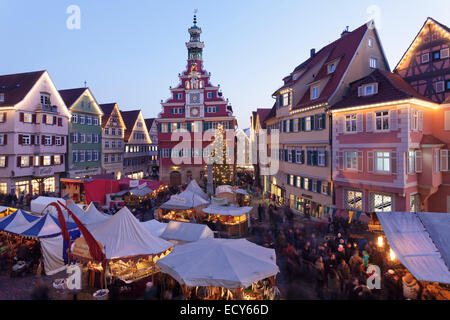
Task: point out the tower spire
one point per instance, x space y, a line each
195 46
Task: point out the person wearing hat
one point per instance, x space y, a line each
151 292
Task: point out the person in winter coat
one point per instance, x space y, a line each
333 284
355 262
343 271
365 258
320 277
411 287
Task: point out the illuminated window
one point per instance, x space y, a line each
27 118
24 162
2 161
49 120
3 188
350 123
381 202
57 159
47 160
353 200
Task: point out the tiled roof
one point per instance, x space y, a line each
272 113
149 123
430 139
391 87
16 86
107 109
71 95
262 114
344 49
129 118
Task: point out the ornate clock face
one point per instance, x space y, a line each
194 98
194 112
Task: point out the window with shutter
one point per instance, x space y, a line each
369 122
418 161
447 120
394 120
340 124
393 162
370 160
360 161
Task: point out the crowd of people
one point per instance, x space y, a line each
329 253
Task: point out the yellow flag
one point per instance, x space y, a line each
350 215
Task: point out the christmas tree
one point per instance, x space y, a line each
222 168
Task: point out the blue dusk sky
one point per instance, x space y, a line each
131 51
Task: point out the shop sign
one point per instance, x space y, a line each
307 196
43 172
134 183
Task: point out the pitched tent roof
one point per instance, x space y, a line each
227 263
40 203
391 87
129 118
186 232
17 222
227 210
421 242
45 226
124 236
93 218
184 200
195 188
155 227
16 86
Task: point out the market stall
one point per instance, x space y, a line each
199 267
17 222
195 188
226 192
183 207
130 249
178 232
6 211
234 220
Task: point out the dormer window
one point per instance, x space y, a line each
284 99
368 90
314 92
331 68
370 43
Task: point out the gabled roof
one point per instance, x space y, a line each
129 118
107 109
271 114
343 49
262 114
428 139
149 123
391 87
428 21
71 95
16 86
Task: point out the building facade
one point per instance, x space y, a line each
304 179
33 139
257 125
137 145
85 148
113 145
384 149
152 127
426 67
194 107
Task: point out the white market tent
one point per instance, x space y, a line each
231 210
184 200
195 188
141 191
220 263
242 191
155 227
124 236
93 218
186 232
421 242
38 205
223 189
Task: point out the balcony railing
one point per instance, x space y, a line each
49 108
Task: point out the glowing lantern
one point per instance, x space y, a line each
391 255
380 242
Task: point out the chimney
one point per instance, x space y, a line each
313 52
345 32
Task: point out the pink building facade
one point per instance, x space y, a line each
33 134
386 150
